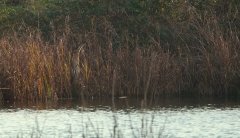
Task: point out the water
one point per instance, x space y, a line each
98 118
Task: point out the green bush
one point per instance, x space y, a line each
146 21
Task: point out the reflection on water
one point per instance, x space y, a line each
165 117
122 104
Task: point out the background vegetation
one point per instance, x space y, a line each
134 47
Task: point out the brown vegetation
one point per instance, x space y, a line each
202 62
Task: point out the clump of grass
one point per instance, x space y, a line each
201 59
35 69
41 70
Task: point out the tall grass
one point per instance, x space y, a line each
35 69
201 59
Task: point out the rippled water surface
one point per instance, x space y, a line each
124 118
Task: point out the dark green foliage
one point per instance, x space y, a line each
133 19
13 2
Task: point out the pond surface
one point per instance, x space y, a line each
126 118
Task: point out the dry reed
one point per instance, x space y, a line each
202 62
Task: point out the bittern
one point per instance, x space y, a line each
75 67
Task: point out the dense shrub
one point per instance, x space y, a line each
145 20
